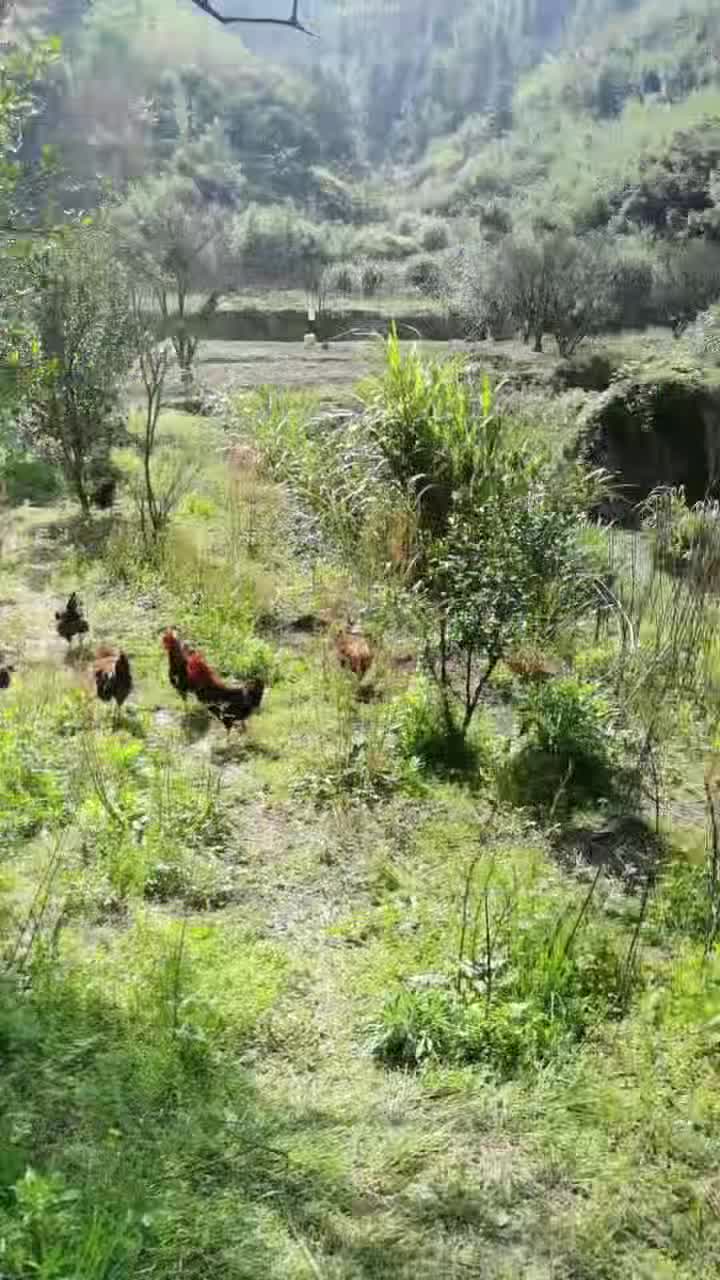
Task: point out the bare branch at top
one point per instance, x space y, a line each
293 21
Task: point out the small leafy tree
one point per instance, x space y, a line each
554 284
83 319
508 568
687 281
153 361
172 238
497 555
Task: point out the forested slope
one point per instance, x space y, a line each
402 130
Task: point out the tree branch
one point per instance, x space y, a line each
293 21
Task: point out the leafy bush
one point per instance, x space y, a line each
425 275
435 237
682 903
568 756
81 308
425 736
28 479
498 552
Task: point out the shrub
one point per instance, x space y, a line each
568 755
407 224
425 275
344 281
379 242
498 542
495 218
334 199
27 479
425 736
82 312
435 237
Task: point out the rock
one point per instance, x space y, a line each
650 433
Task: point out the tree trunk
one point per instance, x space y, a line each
78 484
471 704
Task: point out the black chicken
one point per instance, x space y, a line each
70 621
113 678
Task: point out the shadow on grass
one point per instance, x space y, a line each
195 724
78 655
446 753
626 847
129 721
554 785
237 746
145 1148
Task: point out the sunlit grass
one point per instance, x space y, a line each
188 1080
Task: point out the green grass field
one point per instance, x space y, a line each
224 948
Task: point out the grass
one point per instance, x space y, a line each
210 948
384 303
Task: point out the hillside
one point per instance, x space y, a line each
403 145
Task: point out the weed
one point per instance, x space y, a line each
568 757
536 974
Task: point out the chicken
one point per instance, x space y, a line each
230 704
353 651
70 621
113 678
103 496
531 664
178 653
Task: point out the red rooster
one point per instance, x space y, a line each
113 678
178 654
230 704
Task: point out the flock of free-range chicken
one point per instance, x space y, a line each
188 670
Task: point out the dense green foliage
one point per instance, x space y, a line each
456 142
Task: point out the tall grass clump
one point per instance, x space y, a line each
568 754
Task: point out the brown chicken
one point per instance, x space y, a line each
531 664
178 654
354 652
230 704
113 678
70 621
